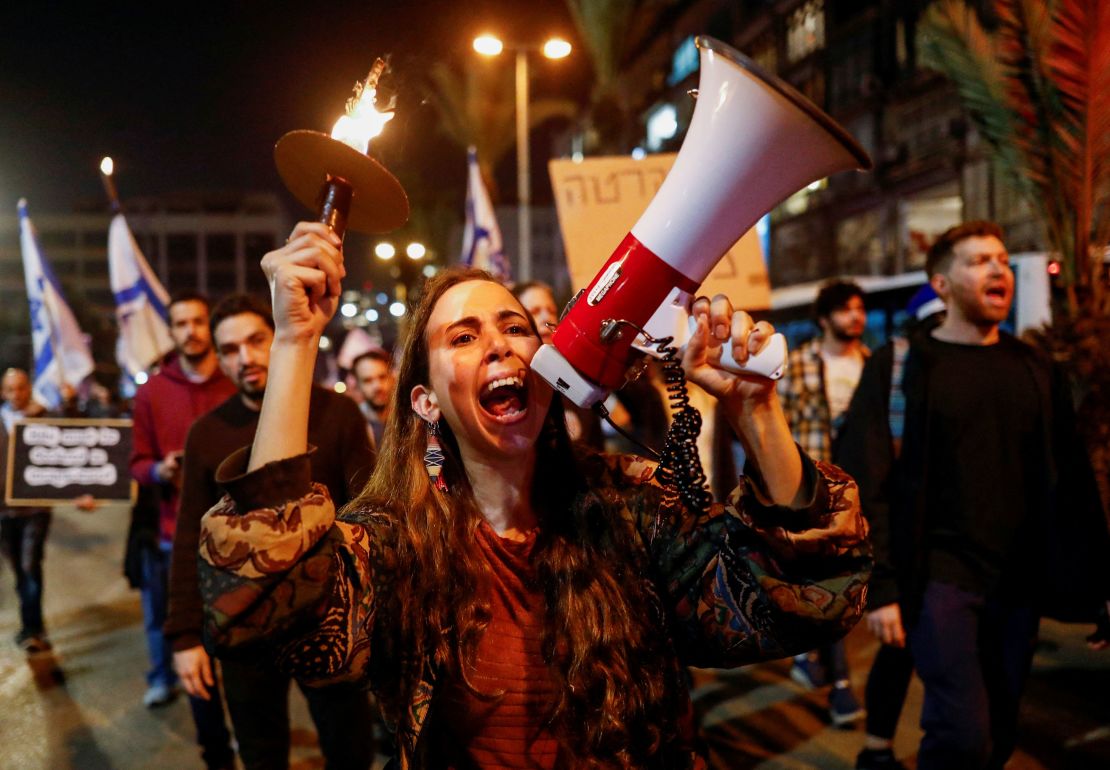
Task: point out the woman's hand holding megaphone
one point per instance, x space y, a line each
750 402
720 327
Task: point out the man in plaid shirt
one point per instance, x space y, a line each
820 378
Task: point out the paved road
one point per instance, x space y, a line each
81 708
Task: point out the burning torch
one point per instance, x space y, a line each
334 175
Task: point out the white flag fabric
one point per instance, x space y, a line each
61 350
142 304
482 245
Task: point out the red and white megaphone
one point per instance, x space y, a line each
753 141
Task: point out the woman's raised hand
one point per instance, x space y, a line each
305 278
718 324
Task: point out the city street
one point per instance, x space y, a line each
81 707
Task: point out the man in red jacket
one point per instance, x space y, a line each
188 385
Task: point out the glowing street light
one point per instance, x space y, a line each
555 48
107 166
415 250
488 45
385 251
349 309
397 309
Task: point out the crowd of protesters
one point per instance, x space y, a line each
980 501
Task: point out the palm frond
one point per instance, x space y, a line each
602 25
1079 61
953 42
1024 37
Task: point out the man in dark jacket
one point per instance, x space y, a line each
257 693
985 515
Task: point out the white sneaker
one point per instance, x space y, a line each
159 695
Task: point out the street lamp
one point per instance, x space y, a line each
384 251
555 48
415 250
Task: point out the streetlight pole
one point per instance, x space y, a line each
555 48
523 169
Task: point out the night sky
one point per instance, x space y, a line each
192 96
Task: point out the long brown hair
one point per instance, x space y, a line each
617 691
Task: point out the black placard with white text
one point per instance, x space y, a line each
56 460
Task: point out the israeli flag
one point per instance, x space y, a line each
482 246
142 304
61 350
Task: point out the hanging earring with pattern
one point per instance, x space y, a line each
433 458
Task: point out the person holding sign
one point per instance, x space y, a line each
23 530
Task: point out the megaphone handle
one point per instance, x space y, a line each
769 362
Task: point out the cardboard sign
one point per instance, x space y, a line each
55 460
600 199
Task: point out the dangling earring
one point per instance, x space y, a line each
433 458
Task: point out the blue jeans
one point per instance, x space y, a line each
973 655
155 599
23 539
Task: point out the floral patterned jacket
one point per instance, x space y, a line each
741 583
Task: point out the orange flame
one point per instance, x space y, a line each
362 121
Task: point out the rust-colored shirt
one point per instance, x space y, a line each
509 731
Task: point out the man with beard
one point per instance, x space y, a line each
374 375
257 692
188 385
820 378
984 518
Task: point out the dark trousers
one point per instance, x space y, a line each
973 655
258 700
23 539
887 683
213 737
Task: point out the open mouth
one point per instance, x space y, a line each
997 293
505 399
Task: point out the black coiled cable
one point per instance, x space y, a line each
680 468
679 462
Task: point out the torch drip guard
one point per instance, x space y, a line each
309 160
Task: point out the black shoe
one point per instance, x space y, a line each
878 759
33 642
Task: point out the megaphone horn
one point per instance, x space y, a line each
753 141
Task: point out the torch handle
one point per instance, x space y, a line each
334 204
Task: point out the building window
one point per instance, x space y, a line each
662 125
805 30
184 262
221 263
765 54
685 62
257 245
